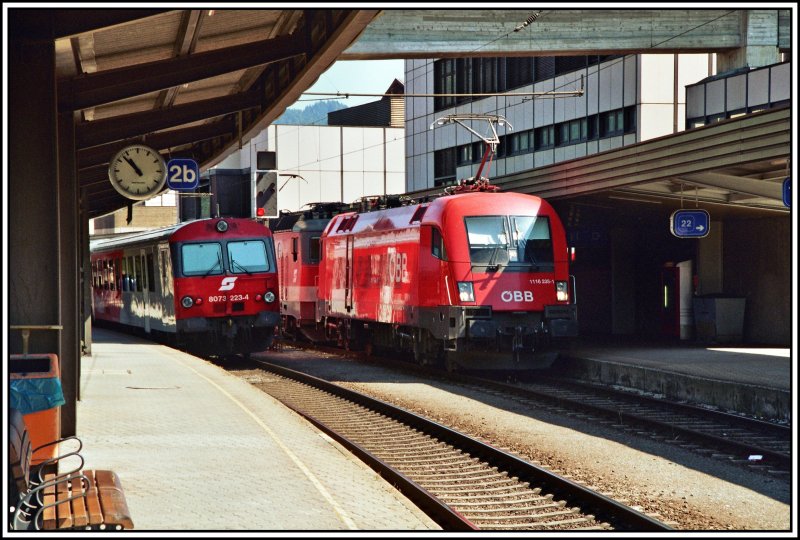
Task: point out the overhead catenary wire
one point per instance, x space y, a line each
566 93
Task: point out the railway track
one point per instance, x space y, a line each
760 446
460 482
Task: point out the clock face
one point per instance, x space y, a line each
137 172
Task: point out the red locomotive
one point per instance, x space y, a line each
477 278
210 284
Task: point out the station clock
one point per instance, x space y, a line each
137 172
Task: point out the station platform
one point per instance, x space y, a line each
197 448
754 381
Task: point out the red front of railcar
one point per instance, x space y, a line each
226 285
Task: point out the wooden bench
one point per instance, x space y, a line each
42 498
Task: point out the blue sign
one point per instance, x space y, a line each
689 223
787 193
182 174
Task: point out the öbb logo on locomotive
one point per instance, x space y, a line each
516 296
227 284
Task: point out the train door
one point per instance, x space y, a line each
167 294
146 278
348 287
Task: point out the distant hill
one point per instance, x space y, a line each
313 115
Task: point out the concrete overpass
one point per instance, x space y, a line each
739 37
83 83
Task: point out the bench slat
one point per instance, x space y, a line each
92 501
49 514
80 517
112 500
63 510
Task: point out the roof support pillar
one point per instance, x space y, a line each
759 36
34 259
69 275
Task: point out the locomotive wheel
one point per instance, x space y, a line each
420 349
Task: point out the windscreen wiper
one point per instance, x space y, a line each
216 264
234 262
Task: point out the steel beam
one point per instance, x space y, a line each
91 89
164 140
131 125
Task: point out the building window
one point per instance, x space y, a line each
630 119
544 68
444 167
612 123
444 83
544 137
566 64
488 75
572 132
464 79
519 72
465 156
519 143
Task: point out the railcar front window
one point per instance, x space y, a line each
248 256
202 259
531 238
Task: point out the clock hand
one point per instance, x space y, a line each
132 164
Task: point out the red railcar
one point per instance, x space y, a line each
211 284
478 280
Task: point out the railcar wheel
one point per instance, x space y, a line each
450 364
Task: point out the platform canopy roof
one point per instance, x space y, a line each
190 83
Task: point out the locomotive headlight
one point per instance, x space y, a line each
222 226
562 294
465 291
269 297
187 302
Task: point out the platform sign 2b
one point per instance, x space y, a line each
689 223
182 174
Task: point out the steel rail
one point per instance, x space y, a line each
604 508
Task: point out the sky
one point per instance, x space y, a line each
359 76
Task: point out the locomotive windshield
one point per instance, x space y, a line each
248 256
495 240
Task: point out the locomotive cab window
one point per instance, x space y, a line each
248 256
488 240
202 259
313 249
531 240
495 240
437 245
